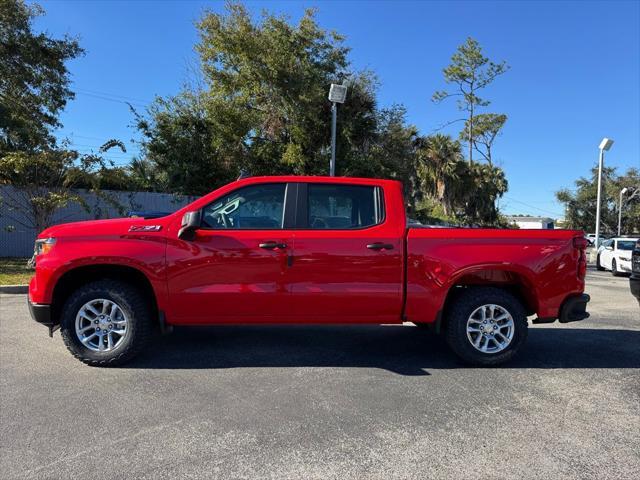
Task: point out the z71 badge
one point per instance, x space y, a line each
145 228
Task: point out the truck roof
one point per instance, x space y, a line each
316 179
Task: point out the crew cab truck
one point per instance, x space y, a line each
289 249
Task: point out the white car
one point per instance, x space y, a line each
615 254
591 238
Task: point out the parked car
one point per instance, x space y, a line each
634 280
615 255
591 238
288 249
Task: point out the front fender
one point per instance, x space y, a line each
145 254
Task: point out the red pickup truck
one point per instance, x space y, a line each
289 249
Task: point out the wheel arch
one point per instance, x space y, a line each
517 283
81 275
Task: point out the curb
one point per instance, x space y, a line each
14 288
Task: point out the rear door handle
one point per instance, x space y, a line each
272 245
380 246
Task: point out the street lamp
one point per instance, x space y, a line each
605 144
337 94
622 192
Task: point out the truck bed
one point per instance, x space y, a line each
541 264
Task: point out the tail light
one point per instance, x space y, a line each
580 243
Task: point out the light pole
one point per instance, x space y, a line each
337 94
622 192
605 144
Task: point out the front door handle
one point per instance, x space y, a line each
380 246
272 245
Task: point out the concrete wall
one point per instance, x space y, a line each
16 240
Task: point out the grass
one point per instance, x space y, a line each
14 271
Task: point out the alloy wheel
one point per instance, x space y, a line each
490 328
101 325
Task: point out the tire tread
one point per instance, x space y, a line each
135 301
456 333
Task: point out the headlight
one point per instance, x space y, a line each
44 245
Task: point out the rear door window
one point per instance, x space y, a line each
343 207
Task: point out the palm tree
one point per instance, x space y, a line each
485 184
439 163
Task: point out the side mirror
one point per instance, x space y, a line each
190 223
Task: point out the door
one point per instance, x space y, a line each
347 261
606 255
235 269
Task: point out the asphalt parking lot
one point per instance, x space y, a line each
327 402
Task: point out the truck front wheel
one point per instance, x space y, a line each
486 326
105 323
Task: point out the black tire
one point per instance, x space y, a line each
462 309
131 302
598 265
614 268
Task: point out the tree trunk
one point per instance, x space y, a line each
441 192
471 135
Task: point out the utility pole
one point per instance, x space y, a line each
334 121
337 94
605 144
622 192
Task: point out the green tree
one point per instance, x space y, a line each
41 176
391 153
483 185
441 172
470 71
458 192
580 204
263 107
185 150
34 80
486 128
43 182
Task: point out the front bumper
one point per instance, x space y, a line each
574 309
624 266
41 313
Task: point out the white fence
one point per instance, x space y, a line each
16 240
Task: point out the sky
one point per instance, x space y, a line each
574 76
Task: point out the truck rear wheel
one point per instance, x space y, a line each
486 326
105 323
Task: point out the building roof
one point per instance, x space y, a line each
528 219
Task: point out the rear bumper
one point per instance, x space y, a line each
574 309
41 313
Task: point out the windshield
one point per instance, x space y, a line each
626 244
